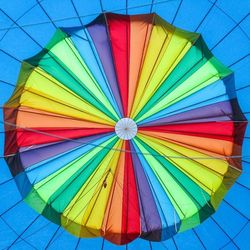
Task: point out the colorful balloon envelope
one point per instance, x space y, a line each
127 127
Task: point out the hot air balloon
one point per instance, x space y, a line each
125 128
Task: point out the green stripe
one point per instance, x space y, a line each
51 64
196 194
61 195
197 56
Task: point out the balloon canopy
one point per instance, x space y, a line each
124 126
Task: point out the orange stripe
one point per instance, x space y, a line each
28 117
140 30
210 146
112 223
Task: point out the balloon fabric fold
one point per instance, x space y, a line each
126 127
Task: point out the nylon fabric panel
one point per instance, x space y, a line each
218 130
29 138
206 75
86 48
195 58
52 64
201 171
86 210
32 157
170 220
208 179
112 222
33 118
119 31
66 52
140 31
209 146
131 226
158 42
175 46
43 92
99 33
57 190
65 153
187 203
151 228
206 99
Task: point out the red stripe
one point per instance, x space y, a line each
28 138
119 30
130 208
217 130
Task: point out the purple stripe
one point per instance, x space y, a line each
98 32
219 111
33 156
151 225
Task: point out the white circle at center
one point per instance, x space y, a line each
126 129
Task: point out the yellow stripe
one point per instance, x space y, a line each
204 76
67 53
46 93
166 48
88 206
201 171
178 197
53 182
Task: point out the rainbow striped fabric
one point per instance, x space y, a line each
126 127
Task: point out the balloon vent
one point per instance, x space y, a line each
126 129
